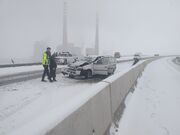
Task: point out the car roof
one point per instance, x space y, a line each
99 56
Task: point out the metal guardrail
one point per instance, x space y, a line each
18 65
38 63
9 79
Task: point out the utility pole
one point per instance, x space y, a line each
65 39
97 35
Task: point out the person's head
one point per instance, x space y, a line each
48 49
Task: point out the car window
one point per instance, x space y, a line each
105 60
113 60
110 60
100 61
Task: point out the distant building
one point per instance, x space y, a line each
90 51
66 46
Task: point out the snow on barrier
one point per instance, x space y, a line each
90 113
96 115
92 118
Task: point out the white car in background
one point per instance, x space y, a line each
90 66
65 58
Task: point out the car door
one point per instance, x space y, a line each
101 66
112 65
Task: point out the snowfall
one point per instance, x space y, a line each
25 103
154 106
152 109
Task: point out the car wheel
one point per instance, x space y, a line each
113 71
63 73
71 76
109 72
65 61
88 74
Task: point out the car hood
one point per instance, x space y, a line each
78 64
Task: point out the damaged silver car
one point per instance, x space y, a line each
90 66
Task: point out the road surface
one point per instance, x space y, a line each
25 101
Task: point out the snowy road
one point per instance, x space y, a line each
17 74
23 102
16 70
153 108
11 71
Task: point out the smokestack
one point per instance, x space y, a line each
65 40
97 36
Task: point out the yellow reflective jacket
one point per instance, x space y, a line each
45 60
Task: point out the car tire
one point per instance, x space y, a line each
109 72
88 74
63 73
71 76
113 71
65 61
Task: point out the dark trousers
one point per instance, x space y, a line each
46 72
53 73
135 61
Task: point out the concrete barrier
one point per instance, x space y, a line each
96 115
92 115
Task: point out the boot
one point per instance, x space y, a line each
54 79
43 80
50 80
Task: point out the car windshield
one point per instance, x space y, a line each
88 59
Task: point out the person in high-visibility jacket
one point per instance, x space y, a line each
45 63
53 66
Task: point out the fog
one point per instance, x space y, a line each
128 26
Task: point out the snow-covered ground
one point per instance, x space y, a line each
23 102
153 108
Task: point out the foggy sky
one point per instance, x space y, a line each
128 26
